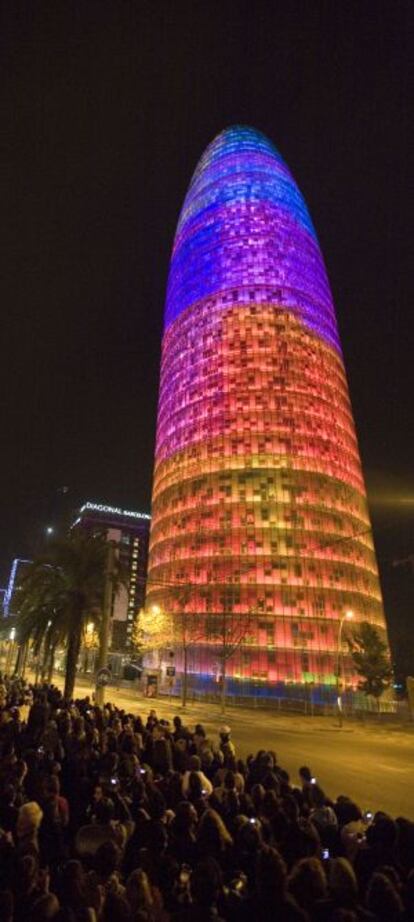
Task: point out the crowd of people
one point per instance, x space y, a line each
106 816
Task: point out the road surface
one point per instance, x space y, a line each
371 764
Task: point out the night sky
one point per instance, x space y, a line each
107 106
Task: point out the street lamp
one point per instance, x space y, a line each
348 616
12 637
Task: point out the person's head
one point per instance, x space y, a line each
382 833
98 793
269 804
317 796
229 781
307 842
393 876
225 733
307 882
257 794
195 786
194 764
156 804
230 803
177 722
185 819
107 859
53 786
78 726
26 874
305 774
19 770
346 811
138 891
205 883
342 881
104 811
71 887
45 908
405 842
271 875
8 795
382 899
116 908
249 838
291 808
112 764
29 819
157 837
271 782
212 832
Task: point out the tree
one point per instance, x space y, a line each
188 630
62 591
152 630
155 629
229 630
371 660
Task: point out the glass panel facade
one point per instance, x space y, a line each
259 511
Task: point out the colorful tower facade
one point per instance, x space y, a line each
260 528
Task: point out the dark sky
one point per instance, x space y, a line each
107 107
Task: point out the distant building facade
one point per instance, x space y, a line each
130 530
11 595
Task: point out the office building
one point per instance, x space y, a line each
130 530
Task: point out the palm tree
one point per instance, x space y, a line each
63 589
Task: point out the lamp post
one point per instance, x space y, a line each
348 616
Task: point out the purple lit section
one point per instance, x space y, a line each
245 234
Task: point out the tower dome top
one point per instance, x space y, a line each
245 226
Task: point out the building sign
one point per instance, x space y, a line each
113 510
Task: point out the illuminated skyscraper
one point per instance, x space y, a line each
259 508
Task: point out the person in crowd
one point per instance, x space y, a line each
194 766
307 884
383 899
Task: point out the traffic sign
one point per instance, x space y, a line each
103 676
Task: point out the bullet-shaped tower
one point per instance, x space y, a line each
259 513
